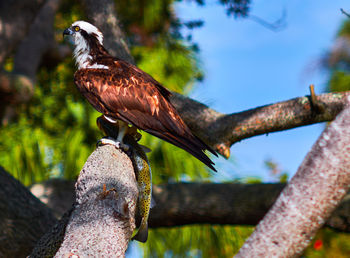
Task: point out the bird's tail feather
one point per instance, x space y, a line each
191 144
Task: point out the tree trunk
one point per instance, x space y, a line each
310 197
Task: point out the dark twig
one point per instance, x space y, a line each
277 25
342 10
316 105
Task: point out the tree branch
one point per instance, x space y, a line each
176 205
14 23
18 86
39 40
179 204
101 221
310 197
217 129
23 218
221 130
102 14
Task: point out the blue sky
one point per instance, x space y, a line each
247 65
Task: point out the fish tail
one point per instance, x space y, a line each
142 233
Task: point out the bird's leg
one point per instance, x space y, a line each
122 130
118 143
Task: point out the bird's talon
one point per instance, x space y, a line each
113 142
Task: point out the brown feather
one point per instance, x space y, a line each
127 93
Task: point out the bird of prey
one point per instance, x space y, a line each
126 95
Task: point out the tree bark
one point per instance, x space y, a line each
14 23
223 130
24 219
102 220
17 87
179 204
310 197
102 15
39 40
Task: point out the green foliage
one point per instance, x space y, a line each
344 29
340 81
196 241
329 243
57 131
54 133
176 60
339 61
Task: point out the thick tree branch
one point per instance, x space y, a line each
102 14
223 130
101 221
180 204
23 218
39 40
18 86
176 205
317 188
15 19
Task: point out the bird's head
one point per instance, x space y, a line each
82 30
88 41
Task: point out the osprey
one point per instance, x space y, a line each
125 94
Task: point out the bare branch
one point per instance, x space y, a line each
17 87
343 12
23 218
277 25
101 222
179 204
15 19
176 205
39 39
102 14
223 130
308 200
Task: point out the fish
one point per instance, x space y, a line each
144 182
143 173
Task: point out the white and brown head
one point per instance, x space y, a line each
88 41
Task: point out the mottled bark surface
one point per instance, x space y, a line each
223 130
310 197
101 222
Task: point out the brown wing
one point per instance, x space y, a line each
127 93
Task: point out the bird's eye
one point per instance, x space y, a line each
77 28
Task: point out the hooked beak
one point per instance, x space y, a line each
68 31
